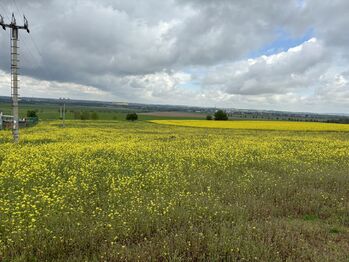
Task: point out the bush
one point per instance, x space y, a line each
132 117
208 117
220 115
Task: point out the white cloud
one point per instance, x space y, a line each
31 87
141 50
276 74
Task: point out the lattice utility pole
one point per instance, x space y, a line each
14 69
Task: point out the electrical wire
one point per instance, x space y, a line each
5 12
34 44
14 1
25 47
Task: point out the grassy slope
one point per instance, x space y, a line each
138 191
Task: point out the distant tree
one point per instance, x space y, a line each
220 115
94 116
208 117
85 115
132 117
31 113
77 115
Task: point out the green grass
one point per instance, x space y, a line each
51 112
122 191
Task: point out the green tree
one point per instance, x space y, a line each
31 113
77 115
85 115
94 116
220 115
131 117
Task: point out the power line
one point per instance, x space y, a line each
28 48
14 1
5 12
25 47
33 42
36 47
20 12
30 36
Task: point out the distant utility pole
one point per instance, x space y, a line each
14 69
62 111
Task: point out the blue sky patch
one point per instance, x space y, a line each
283 42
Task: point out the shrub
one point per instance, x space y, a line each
208 117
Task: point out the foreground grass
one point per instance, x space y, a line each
140 191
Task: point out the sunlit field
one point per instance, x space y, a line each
120 191
258 125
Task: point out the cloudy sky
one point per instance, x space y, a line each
270 54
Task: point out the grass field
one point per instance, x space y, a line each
120 191
73 112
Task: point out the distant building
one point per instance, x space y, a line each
6 122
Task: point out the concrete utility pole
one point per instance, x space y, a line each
14 69
62 111
0 120
64 114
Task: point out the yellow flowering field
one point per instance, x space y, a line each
122 191
258 125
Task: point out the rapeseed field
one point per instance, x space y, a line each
119 191
258 125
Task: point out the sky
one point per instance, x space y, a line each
287 55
